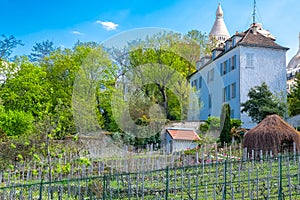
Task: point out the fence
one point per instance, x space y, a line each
265 178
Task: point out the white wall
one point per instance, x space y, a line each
268 65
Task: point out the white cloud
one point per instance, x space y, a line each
108 25
77 33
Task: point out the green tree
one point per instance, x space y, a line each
225 135
7 45
41 50
157 60
207 44
15 123
61 70
261 102
294 98
27 90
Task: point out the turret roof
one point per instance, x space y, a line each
219 28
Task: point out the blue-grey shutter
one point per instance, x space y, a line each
234 61
221 69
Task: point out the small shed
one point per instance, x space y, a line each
272 134
178 139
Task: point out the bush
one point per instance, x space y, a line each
225 135
15 123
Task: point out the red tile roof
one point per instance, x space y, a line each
181 134
257 39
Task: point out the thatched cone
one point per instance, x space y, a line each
272 134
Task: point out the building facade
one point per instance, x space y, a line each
241 62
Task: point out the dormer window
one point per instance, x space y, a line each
214 54
233 41
228 44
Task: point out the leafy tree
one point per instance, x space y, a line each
15 123
7 45
93 88
28 90
207 44
225 135
261 103
163 57
294 98
61 70
213 123
41 50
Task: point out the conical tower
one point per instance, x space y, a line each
219 30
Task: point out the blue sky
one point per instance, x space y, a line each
65 21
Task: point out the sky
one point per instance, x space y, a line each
64 21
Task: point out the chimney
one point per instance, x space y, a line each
254 28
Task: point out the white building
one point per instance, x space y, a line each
245 60
180 139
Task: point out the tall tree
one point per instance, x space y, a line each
28 90
262 102
225 135
7 45
156 61
294 98
41 49
206 43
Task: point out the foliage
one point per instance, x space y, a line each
156 61
63 66
294 98
27 90
212 123
261 103
225 135
207 44
236 123
7 45
41 50
15 123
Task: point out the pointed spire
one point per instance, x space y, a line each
219 29
254 12
219 13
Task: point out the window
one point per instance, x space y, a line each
209 101
224 68
226 93
233 62
210 75
214 55
231 113
233 90
249 61
194 83
200 82
221 69
227 66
